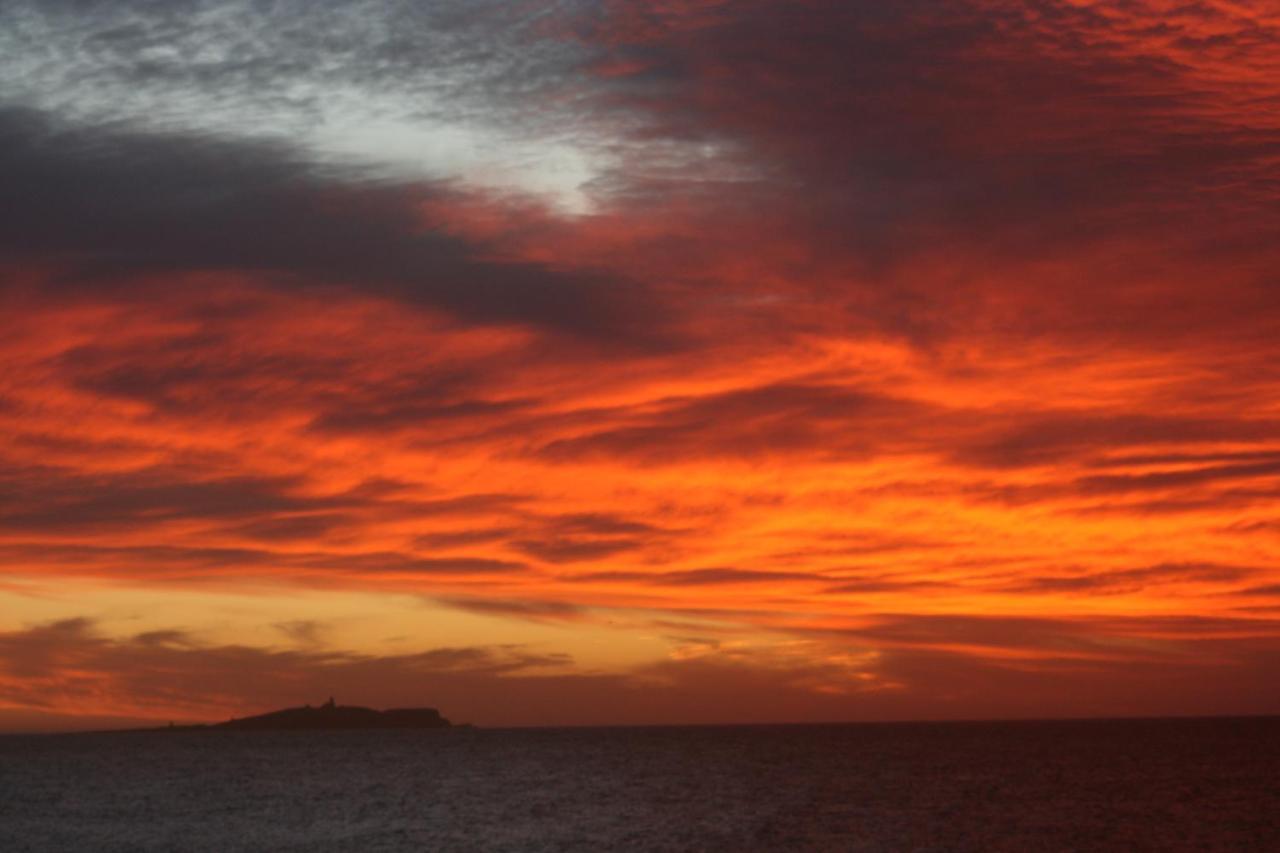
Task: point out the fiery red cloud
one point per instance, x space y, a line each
906 360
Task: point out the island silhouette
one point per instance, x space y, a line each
327 716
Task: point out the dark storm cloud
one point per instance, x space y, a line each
109 205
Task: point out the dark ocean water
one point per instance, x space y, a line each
1122 785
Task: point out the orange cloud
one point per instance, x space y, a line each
925 354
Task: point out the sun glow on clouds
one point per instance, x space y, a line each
925 371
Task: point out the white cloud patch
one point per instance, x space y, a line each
458 90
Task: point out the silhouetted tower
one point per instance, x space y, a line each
328 704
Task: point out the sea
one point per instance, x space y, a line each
1122 785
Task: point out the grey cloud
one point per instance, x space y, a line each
278 68
117 204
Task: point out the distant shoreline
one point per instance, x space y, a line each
239 724
326 717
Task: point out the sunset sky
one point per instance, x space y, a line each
591 361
